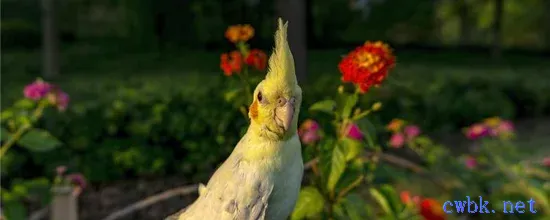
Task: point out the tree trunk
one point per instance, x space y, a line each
50 40
546 24
294 11
497 29
437 23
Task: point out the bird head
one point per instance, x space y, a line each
277 99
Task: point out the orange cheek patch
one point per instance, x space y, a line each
253 110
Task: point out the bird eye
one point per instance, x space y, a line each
260 97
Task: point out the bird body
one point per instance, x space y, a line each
251 183
261 178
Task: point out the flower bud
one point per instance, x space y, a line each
340 89
357 111
376 106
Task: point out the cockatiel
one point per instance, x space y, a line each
261 178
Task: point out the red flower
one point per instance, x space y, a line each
257 59
367 65
231 63
430 209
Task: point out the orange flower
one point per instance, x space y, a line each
237 33
405 197
395 125
257 59
231 63
367 65
431 209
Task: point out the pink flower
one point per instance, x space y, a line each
79 181
309 137
37 90
412 131
546 161
310 125
60 170
397 140
477 131
62 100
416 199
309 132
493 132
470 162
354 132
506 126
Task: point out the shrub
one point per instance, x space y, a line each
19 129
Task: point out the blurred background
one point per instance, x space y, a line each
147 112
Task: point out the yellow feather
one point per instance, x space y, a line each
281 63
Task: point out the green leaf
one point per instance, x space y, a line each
541 196
7 196
4 134
6 114
423 141
353 172
368 128
337 167
339 211
326 148
231 94
23 120
310 203
348 106
326 106
392 198
355 207
14 211
38 140
39 187
24 104
381 200
352 148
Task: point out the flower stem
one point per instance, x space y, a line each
247 85
24 128
361 115
346 190
13 139
247 90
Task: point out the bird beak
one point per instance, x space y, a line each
284 113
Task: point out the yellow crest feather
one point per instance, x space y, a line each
281 62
